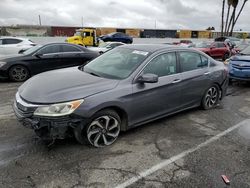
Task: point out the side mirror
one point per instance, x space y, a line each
21 51
147 78
212 46
38 55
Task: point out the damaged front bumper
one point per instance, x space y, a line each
45 127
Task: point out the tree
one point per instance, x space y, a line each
229 4
234 5
230 23
239 13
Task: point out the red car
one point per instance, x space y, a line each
217 50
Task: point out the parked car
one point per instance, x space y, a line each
239 66
241 47
12 45
121 89
217 50
105 46
231 41
184 43
117 37
43 58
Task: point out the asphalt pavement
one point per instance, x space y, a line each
189 149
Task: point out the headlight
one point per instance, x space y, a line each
226 62
2 63
60 109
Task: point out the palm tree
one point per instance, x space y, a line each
229 4
235 20
222 17
232 19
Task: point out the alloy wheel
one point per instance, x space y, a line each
103 131
19 73
211 97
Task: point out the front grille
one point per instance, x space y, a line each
22 110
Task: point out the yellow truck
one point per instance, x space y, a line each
84 37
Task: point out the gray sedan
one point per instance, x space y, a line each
122 89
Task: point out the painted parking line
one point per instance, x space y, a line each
171 160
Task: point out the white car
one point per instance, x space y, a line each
12 45
105 46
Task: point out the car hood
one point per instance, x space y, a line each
63 85
241 58
97 49
11 57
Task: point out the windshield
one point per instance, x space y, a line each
202 45
103 45
78 33
246 51
32 50
116 64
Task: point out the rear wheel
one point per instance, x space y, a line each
19 73
210 98
102 130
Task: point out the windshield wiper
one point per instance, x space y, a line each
94 74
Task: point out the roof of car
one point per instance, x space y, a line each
65 43
10 37
151 47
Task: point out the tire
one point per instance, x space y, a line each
100 52
210 98
19 73
226 56
101 130
230 81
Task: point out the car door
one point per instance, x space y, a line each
72 56
118 37
195 77
156 99
223 49
47 58
214 50
10 46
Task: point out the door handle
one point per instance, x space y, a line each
176 81
207 73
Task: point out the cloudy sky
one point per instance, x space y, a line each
162 14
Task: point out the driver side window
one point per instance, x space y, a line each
162 65
50 49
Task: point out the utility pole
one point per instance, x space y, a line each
82 21
40 22
155 24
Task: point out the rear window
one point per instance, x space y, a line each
11 41
191 61
68 48
220 45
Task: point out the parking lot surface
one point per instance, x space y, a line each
190 149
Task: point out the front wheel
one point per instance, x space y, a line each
210 98
18 73
102 130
